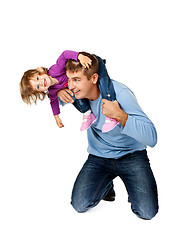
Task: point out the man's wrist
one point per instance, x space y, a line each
121 117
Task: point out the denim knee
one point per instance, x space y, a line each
146 214
81 208
78 207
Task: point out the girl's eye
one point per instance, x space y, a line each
38 87
37 79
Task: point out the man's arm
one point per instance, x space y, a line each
135 122
65 95
113 110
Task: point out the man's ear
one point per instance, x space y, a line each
94 78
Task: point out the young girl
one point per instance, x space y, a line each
37 83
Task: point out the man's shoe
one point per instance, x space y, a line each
110 196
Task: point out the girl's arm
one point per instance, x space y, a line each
84 60
58 121
58 69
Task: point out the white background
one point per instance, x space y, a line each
38 161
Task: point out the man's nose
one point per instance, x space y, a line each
70 84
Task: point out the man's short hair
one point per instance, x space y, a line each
74 66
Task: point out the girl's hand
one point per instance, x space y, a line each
63 94
58 121
85 61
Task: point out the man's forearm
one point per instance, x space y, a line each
121 117
113 110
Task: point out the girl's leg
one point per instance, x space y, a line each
105 84
107 91
81 104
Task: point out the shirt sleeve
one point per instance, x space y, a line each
58 69
55 106
138 125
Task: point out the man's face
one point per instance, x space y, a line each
80 85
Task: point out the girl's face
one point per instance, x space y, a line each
40 83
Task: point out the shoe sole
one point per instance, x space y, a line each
110 129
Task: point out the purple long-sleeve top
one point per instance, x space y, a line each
58 71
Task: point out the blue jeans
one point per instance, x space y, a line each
95 180
104 82
81 104
105 86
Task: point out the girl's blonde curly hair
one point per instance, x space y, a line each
28 94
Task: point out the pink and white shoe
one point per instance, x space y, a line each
87 121
109 124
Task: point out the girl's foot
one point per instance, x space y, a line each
109 124
87 121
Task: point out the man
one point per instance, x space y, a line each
119 152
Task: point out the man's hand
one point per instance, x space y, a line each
84 60
112 110
58 121
63 94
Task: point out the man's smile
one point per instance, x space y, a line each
76 92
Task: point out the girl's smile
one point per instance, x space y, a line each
41 83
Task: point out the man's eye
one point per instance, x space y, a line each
37 79
38 87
